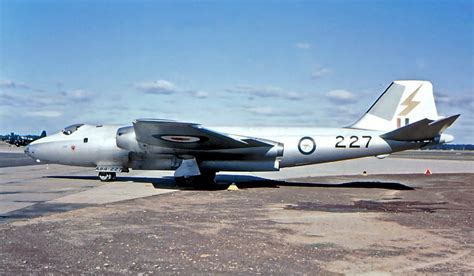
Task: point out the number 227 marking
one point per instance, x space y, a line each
353 141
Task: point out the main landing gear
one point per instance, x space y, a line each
203 180
107 176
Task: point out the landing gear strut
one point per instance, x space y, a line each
107 176
203 180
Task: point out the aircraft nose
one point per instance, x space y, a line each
29 151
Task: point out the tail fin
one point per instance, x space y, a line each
402 103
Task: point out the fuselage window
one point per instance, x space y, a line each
86 140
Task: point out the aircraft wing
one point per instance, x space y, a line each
190 137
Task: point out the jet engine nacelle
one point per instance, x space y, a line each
126 139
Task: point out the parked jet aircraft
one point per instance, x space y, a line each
21 140
403 117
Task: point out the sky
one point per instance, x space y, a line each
228 63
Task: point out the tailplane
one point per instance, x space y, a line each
424 130
402 103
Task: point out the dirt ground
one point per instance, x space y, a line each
397 224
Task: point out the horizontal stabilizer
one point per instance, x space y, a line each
422 130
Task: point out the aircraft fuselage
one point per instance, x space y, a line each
96 146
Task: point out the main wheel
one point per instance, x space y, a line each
107 176
207 178
185 181
203 180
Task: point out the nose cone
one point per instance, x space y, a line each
42 149
29 150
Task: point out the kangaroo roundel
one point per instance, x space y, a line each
306 145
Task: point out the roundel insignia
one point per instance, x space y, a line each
306 145
180 138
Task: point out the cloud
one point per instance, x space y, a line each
9 84
163 87
272 112
61 100
466 102
199 94
77 95
266 92
320 72
344 107
303 45
44 113
340 96
39 103
443 99
348 110
260 110
7 98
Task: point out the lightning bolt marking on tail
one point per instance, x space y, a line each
410 103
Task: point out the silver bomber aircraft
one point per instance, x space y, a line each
403 117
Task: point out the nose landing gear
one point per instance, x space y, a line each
107 176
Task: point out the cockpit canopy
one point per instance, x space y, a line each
70 129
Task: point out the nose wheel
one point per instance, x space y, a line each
107 176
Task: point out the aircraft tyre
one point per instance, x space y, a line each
206 179
107 176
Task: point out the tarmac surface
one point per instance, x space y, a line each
332 220
12 156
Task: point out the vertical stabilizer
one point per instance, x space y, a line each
402 103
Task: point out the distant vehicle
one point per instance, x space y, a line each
404 117
21 140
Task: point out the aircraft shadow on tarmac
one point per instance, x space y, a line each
40 208
246 182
